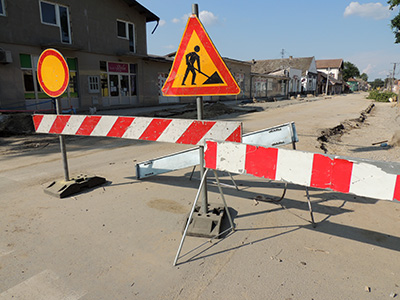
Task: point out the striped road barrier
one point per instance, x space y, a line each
367 178
180 131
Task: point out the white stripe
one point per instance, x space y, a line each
231 157
104 126
73 124
136 129
370 181
43 286
46 123
294 166
174 130
221 131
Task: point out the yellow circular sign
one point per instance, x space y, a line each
53 73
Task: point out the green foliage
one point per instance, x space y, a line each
350 70
395 22
364 77
381 96
377 83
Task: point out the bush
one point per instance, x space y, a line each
381 96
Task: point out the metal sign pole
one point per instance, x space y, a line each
200 115
62 143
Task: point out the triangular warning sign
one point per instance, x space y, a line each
198 69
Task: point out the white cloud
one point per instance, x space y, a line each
208 18
368 69
368 10
162 22
175 20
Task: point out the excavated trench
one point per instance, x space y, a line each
334 134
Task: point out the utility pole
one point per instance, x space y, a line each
327 81
392 79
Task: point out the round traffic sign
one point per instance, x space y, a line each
53 73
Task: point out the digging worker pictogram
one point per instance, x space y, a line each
191 58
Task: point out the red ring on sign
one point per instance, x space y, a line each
58 55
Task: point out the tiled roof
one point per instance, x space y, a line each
329 63
273 65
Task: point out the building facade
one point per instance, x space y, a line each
104 45
290 68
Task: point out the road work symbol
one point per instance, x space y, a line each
198 69
191 59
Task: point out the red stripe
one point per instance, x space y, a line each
261 162
396 195
155 129
195 132
236 136
88 125
37 119
210 155
341 175
120 126
321 172
59 124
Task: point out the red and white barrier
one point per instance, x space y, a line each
378 180
180 131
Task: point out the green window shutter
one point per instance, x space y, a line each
25 60
71 62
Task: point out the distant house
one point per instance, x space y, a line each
301 72
354 84
331 70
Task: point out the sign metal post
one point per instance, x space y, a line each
198 70
53 77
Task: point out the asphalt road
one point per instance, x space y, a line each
119 241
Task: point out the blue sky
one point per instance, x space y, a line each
357 31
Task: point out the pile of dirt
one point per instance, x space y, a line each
16 124
395 141
210 111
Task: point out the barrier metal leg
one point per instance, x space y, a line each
191 215
191 175
234 182
310 208
223 199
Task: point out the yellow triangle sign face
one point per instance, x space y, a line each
198 69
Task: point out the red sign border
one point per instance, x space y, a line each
231 88
58 55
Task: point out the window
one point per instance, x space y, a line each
126 30
117 79
94 84
56 15
2 8
29 76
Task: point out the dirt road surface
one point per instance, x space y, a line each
119 241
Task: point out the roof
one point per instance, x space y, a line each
150 17
273 65
329 63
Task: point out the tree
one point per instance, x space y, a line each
395 23
364 77
350 70
377 83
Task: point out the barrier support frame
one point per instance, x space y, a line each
232 226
